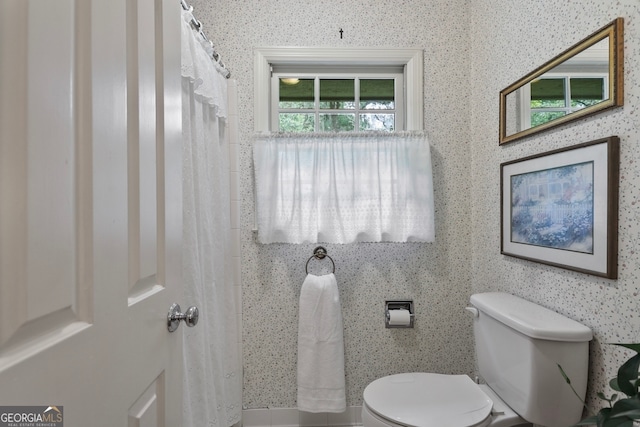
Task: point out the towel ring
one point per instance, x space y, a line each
320 253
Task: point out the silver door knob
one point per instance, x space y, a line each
175 316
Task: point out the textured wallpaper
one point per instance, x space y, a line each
510 39
473 49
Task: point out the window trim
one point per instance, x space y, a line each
411 59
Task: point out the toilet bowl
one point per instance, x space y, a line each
427 399
518 346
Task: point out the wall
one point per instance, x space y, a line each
510 39
473 49
435 276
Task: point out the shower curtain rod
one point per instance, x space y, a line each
197 26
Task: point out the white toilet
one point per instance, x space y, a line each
518 347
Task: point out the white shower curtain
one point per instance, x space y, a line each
212 374
344 187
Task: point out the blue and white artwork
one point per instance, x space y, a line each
554 208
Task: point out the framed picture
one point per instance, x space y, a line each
561 207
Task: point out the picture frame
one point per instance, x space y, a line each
560 207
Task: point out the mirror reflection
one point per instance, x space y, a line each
583 80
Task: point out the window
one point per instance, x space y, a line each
338 89
557 95
334 100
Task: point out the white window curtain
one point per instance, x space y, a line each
212 389
344 187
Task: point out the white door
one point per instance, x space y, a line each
90 209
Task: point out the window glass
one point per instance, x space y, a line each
330 122
547 93
297 122
586 92
296 93
371 121
306 100
337 94
377 94
542 117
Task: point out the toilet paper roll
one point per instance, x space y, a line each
400 317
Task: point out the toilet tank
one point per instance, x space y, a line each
519 345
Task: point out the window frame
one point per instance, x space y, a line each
410 59
395 74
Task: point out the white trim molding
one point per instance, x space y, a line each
411 59
291 417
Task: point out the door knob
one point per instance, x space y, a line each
175 316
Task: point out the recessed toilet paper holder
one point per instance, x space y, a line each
391 305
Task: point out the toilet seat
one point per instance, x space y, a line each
428 400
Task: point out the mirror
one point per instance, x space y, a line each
585 79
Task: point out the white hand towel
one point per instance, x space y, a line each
321 384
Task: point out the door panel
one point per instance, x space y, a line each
146 412
90 209
142 136
39 252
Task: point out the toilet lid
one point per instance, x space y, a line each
422 399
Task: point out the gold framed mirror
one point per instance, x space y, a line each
584 79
